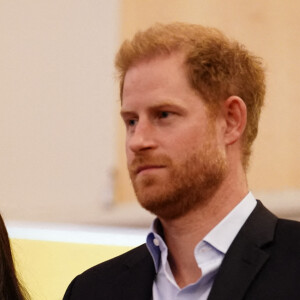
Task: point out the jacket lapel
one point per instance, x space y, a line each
245 257
135 283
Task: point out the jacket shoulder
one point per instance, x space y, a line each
288 232
107 277
115 265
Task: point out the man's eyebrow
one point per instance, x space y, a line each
126 112
166 105
160 105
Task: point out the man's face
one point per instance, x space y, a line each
174 152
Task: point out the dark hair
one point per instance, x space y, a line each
10 287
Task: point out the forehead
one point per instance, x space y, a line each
162 76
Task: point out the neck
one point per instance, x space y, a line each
184 233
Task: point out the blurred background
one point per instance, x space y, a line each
62 164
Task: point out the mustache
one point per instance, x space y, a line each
148 160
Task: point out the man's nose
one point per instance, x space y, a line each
142 138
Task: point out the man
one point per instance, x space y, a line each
191 100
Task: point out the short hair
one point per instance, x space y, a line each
217 67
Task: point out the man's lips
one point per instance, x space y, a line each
147 167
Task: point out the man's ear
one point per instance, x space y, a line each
235 115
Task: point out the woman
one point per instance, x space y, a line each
10 287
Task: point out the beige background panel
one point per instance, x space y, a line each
270 30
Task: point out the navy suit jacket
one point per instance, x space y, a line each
262 263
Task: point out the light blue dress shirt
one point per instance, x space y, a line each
209 254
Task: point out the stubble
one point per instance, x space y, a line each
186 184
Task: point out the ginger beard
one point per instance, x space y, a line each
188 183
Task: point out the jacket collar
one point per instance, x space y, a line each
135 283
245 257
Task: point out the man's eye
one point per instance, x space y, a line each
164 114
131 122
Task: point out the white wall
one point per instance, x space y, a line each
57 108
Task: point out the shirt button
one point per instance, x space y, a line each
156 242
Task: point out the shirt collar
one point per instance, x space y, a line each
223 234
220 237
155 243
